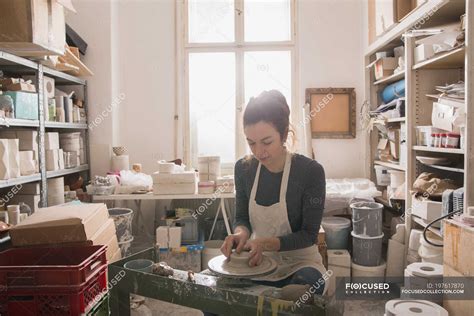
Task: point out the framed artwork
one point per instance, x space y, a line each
332 112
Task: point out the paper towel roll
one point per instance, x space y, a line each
120 163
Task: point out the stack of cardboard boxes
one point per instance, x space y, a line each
68 225
18 154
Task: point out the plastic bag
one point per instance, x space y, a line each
130 178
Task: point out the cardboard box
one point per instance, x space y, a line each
456 307
61 159
423 52
60 224
116 257
30 188
402 8
20 86
384 16
457 241
444 116
106 235
176 188
32 200
170 178
426 209
52 160
48 85
28 141
51 140
27 167
32 27
384 67
13 158
394 138
4 160
25 104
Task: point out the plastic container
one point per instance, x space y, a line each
142 265
337 231
367 219
51 266
443 136
393 91
190 231
126 247
57 300
123 223
212 249
183 258
397 178
383 178
364 271
367 251
452 140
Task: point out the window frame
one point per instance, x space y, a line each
239 47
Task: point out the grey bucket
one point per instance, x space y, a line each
367 219
123 223
367 251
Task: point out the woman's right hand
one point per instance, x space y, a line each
238 239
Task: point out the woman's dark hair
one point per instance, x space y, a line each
270 107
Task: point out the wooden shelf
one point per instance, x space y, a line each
391 79
452 169
439 150
390 165
438 11
451 59
432 229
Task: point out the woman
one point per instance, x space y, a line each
279 198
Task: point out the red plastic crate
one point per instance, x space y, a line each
54 301
51 266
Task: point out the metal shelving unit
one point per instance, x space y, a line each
15 65
63 172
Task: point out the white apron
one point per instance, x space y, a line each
272 221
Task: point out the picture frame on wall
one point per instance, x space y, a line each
332 112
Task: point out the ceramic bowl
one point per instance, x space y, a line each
119 150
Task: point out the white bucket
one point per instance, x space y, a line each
363 271
383 177
212 249
337 231
397 178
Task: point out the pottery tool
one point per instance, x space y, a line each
238 267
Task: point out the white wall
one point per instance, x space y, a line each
331 35
132 51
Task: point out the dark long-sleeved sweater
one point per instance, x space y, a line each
304 197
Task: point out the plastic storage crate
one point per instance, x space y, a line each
53 301
51 266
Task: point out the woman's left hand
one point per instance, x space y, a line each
255 248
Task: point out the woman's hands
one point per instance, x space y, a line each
238 239
255 249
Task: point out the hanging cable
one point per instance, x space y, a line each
436 220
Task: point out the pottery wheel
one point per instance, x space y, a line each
238 267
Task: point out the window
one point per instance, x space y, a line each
231 50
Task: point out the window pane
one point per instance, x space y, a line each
267 71
212 105
211 21
267 20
